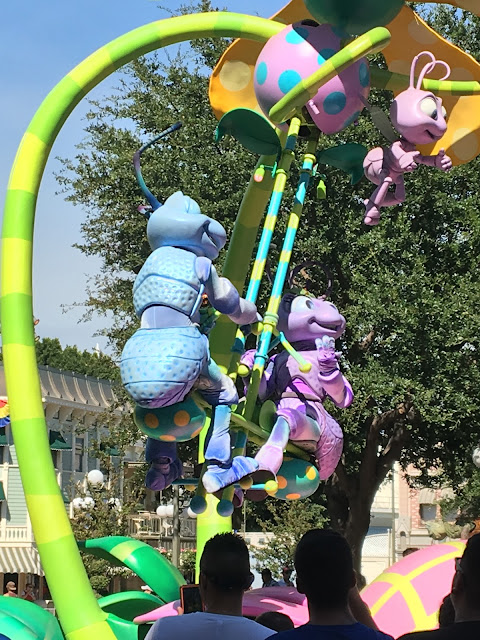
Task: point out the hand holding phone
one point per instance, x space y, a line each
190 598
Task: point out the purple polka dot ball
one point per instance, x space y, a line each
293 55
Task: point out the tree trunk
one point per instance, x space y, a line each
350 498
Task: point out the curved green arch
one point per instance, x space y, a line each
78 610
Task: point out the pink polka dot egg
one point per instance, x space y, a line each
296 53
407 596
177 423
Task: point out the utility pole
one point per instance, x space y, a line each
176 527
393 541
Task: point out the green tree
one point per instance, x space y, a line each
287 523
408 288
102 513
50 352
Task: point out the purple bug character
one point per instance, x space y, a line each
311 325
419 118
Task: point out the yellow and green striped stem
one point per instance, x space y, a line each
281 176
384 79
79 613
271 318
374 40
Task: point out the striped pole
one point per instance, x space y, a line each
271 318
81 617
281 175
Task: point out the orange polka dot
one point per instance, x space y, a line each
293 496
195 433
151 420
282 482
190 487
167 438
181 418
311 473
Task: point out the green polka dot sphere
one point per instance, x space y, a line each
177 423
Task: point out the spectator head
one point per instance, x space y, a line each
225 566
275 620
287 573
11 586
324 566
466 582
446 613
266 575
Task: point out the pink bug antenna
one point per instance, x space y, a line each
428 68
414 64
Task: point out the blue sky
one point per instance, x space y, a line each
39 43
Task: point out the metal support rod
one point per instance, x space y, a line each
176 527
393 536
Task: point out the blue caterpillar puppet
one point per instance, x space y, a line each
169 355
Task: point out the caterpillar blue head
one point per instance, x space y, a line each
180 223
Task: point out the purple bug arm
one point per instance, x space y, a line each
338 388
266 383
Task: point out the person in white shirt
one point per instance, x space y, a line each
224 576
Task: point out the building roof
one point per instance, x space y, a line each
69 387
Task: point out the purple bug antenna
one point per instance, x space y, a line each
311 263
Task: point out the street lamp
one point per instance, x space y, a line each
476 456
95 477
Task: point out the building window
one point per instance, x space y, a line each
428 512
79 454
55 458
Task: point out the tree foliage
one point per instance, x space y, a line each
286 524
107 515
50 352
408 287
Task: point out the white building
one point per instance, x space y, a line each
73 406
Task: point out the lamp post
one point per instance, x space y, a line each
393 541
476 456
172 510
176 528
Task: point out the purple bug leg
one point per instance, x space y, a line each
222 470
329 447
165 465
270 456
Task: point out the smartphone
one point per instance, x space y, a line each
190 598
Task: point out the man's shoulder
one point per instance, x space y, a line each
307 632
456 631
201 621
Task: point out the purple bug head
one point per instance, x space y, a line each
301 317
418 115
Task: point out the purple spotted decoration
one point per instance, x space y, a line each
297 52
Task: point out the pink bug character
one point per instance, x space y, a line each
419 118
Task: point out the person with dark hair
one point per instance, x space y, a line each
286 580
325 574
267 579
28 593
446 613
275 620
465 598
224 576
